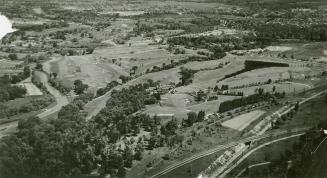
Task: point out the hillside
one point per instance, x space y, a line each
317 168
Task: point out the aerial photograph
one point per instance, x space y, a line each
163 88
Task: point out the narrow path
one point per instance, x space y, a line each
251 166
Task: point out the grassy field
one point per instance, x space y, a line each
306 50
208 78
241 122
94 71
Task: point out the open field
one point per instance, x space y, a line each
204 79
31 89
241 122
9 67
94 71
306 50
171 104
143 53
287 87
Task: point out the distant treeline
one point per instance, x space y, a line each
277 4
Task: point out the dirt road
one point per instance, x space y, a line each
61 101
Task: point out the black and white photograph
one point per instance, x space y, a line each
163 88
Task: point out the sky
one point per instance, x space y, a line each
5 26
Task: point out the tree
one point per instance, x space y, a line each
138 152
89 50
54 74
199 95
39 66
128 157
201 116
191 118
12 56
296 107
124 79
79 87
260 91
121 173
216 88
27 71
186 75
134 68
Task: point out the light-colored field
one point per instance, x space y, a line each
92 70
279 48
31 89
241 122
172 104
124 13
219 32
204 79
165 77
262 75
287 87
142 53
306 50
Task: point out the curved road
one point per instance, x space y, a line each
61 101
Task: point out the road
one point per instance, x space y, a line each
223 147
260 135
231 167
61 101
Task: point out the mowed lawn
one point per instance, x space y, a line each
242 121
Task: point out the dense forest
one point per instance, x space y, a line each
69 146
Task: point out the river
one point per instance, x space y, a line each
6 26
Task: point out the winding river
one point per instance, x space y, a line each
5 26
